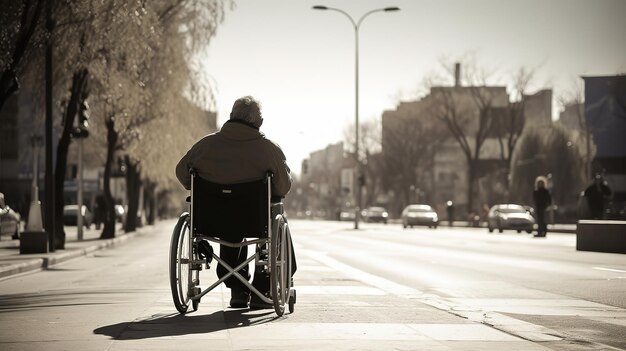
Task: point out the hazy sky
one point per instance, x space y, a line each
299 62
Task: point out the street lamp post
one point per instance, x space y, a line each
357 25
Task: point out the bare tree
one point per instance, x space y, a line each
508 127
411 140
469 115
370 156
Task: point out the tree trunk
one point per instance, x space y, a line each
150 202
133 185
471 177
8 86
78 93
108 230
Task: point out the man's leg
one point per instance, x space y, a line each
542 228
234 256
261 280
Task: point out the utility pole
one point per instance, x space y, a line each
49 198
79 191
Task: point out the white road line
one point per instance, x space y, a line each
367 278
609 269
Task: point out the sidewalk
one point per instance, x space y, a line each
12 263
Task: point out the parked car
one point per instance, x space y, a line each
375 214
9 220
419 214
510 216
70 215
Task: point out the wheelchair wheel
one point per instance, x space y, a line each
280 265
180 268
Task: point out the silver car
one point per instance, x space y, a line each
418 214
510 216
9 220
375 214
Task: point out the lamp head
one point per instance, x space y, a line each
391 9
319 7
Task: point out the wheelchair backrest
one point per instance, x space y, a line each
230 212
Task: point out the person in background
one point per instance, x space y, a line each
596 194
450 212
542 200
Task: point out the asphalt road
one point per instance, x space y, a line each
543 281
381 287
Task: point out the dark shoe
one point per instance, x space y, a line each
257 304
239 298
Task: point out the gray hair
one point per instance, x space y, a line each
247 109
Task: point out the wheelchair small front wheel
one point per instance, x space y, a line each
180 267
280 265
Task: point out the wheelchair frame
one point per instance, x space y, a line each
272 253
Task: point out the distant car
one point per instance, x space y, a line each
120 213
419 214
375 214
510 216
70 215
9 220
347 215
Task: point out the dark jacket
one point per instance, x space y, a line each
238 153
542 199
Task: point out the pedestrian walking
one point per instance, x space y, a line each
99 211
542 200
450 211
596 194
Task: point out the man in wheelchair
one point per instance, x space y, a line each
239 153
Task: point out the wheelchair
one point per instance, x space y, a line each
231 215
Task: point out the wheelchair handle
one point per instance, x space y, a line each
193 171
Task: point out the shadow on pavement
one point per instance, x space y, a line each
61 298
164 325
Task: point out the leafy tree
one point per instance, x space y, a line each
186 25
107 42
469 115
542 151
20 33
582 134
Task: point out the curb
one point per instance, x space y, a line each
22 267
57 258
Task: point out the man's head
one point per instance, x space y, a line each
247 109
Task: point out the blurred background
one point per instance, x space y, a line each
461 105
